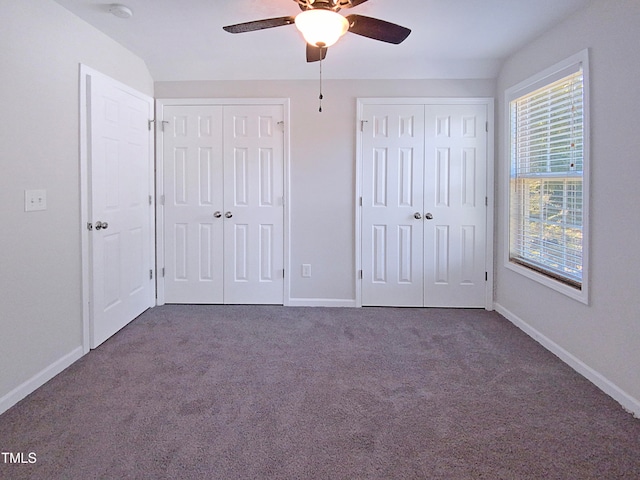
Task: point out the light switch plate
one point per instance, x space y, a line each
306 270
35 200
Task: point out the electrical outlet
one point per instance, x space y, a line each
35 200
306 270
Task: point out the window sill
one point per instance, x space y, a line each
581 295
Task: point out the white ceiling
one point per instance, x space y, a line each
184 40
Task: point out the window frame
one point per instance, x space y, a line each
564 68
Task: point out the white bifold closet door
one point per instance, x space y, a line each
223 208
392 193
424 205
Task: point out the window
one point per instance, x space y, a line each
547 185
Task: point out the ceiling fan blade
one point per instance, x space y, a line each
259 24
377 29
315 54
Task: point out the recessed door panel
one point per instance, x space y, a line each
206 193
137 280
406 197
380 182
441 255
179 253
112 265
266 177
240 177
379 258
241 251
267 242
179 171
442 177
206 264
406 250
468 196
468 253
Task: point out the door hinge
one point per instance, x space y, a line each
150 274
360 274
162 272
150 200
283 273
486 201
161 199
486 276
486 126
150 122
360 201
362 122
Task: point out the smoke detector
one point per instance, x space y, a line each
120 11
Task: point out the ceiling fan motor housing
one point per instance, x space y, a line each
334 5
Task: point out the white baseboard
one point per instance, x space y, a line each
320 302
629 403
35 382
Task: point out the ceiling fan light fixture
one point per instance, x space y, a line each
320 27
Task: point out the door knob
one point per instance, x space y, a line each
217 214
417 216
228 214
102 225
428 216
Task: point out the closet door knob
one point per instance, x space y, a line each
217 214
228 214
417 216
428 216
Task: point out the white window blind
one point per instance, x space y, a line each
546 191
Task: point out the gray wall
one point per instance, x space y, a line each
602 338
41 46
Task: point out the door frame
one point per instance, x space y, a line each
489 250
85 75
159 214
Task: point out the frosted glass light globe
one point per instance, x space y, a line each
321 28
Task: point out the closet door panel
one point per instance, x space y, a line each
193 190
254 204
392 199
455 192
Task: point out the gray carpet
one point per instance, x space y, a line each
255 392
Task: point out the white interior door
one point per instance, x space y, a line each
193 204
455 205
392 205
223 213
120 176
254 204
423 216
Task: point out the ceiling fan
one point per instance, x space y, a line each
322 25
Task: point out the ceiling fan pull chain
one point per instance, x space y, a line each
320 96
